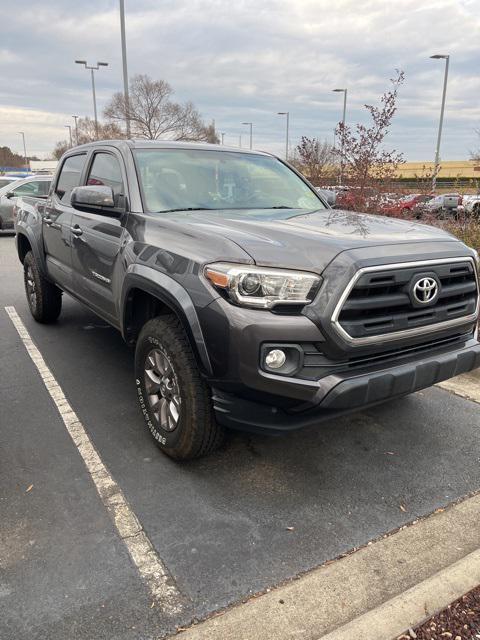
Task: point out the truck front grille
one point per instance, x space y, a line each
380 302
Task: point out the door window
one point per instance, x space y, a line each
105 171
35 188
69 177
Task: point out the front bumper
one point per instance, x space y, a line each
338 394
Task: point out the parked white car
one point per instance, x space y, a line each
448 202
471 204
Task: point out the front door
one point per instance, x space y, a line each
57 221
96 239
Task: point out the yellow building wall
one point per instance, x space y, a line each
448 169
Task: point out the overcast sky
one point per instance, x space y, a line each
244 60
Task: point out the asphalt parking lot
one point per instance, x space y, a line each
258 512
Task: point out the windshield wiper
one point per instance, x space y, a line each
278 206
185 209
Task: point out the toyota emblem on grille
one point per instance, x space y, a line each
425 290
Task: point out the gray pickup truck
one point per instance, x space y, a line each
250 302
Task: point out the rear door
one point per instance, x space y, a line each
57 221
97 237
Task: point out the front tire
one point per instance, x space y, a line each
174 400
44 298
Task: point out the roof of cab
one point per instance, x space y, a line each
166 144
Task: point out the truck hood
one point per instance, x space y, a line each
306 239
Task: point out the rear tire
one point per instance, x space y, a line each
44 298
174 399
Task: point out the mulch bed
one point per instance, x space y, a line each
459 621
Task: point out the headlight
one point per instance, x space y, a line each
263 288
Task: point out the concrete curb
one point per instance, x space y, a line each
467 385
410 608
373 579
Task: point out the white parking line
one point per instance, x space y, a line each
141 550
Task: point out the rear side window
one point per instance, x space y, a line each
106 171
69 177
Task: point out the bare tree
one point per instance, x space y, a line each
475 155
87 133
315 159
9 158
365 160
424 179
153 114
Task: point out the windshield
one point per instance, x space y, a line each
179 179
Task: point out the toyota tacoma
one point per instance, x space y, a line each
251 303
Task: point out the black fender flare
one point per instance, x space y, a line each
36 242
173 295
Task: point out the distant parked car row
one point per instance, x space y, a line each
398 205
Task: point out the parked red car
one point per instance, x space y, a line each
406 204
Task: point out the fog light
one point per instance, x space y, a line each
275 359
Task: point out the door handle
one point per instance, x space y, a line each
47 220
77 231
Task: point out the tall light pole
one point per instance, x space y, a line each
250 124
344 91
22 133
436 169
223 135
286 113
76 128
240 141
125 71
92 69
67 126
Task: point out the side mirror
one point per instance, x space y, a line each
10 195
94 198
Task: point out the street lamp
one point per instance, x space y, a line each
92 69
125 71
250 124
439 56
285 113
223 135
22 133
67 126
344 91
76 128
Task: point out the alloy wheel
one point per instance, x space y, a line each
162 390
31 288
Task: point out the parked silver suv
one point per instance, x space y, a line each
37 186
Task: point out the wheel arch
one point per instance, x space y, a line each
23 246
148 293
28 240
